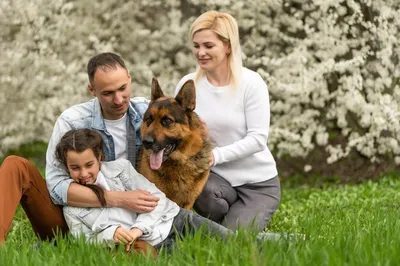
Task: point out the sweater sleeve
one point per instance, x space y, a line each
257 117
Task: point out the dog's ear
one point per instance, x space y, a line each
187 96
156 91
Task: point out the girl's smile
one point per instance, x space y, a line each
83 166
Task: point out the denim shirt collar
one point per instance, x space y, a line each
98 120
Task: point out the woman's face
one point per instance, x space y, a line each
211 53
83 166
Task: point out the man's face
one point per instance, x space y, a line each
113 89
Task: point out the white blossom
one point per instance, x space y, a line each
330 68
307 168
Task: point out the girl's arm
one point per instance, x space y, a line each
102 234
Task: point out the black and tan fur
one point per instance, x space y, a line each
172 125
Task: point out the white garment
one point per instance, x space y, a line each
120 216
117 129
238 122
101 181
98 225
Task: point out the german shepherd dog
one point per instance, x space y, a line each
176 147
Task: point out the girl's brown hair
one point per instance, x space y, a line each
79 140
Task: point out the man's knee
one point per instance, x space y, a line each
14 161
18 168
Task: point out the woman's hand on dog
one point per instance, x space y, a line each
211 160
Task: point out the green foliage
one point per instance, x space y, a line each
344 225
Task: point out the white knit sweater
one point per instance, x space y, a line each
238 122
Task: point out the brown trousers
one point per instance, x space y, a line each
21 182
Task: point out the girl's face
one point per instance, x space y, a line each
83 166
211 53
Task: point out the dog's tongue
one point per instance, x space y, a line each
156 159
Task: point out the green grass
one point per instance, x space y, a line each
345 225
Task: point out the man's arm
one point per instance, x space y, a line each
81 196
57 178
139 201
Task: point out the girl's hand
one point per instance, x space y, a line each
135 233
122 235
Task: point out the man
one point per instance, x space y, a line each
112 113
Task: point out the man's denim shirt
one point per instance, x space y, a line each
85 115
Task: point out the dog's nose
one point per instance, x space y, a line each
147 142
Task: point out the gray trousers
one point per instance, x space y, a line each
249 205
188 222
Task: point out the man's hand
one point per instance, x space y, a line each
139 201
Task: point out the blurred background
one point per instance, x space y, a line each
332 68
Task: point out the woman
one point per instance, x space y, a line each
243 188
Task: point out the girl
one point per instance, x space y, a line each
80 151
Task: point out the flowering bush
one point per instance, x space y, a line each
332 66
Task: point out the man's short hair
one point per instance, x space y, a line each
104 61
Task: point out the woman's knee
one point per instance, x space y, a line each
210 204
218 188
211 196
215 199
211 192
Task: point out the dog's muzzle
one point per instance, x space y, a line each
159 150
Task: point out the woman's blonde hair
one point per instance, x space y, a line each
226 28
